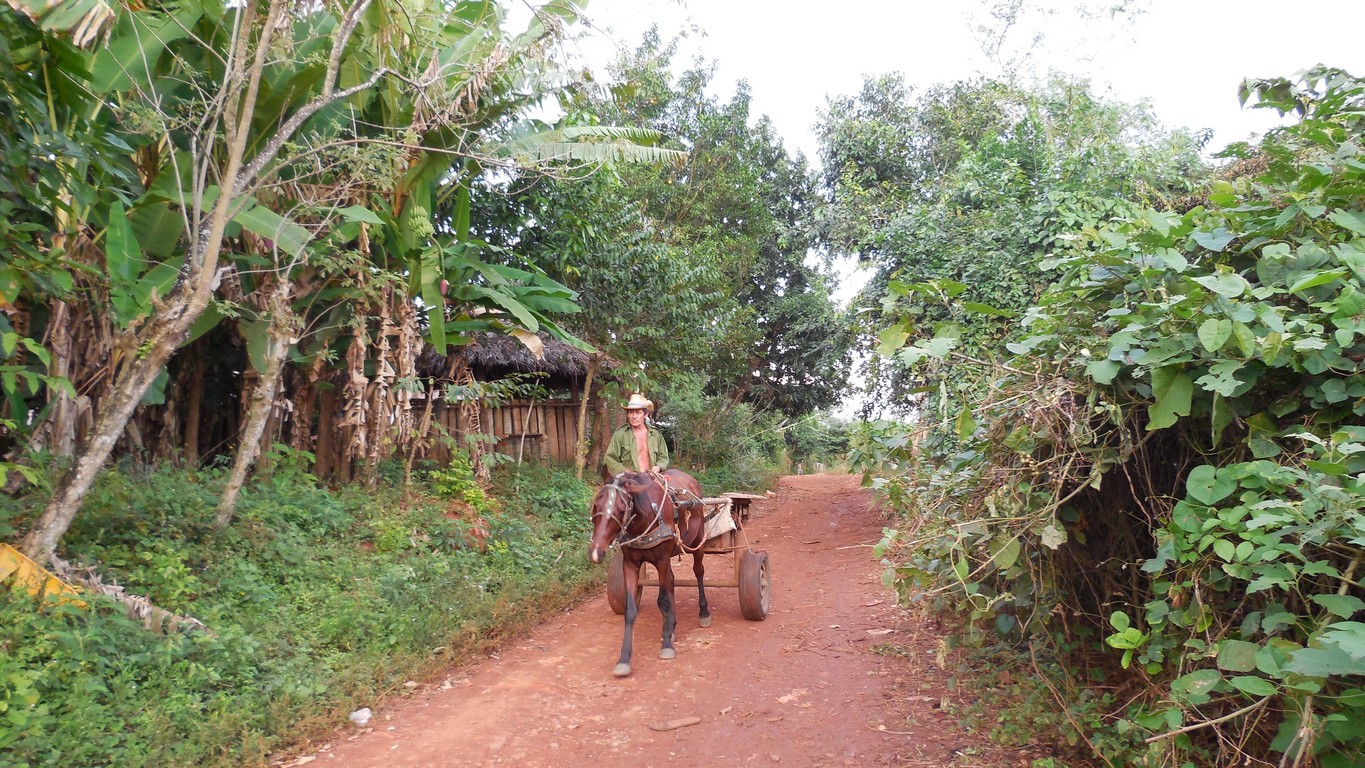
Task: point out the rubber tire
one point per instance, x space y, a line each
755 585
616 585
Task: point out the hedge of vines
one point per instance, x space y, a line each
1167 463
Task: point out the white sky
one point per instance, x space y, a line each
1185 57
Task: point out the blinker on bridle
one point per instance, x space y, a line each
654 534
610 509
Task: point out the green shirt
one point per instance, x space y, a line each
620 456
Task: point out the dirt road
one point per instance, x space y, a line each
836 675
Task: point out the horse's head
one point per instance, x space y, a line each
611 513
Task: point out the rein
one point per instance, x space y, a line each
653 534
671 493
656 532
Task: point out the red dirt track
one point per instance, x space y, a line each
805 687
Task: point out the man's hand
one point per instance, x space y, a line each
658 469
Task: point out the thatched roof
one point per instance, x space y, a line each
498 354
496 351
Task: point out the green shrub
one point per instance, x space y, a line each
1171 465
317 602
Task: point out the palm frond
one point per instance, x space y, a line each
84 21
537 143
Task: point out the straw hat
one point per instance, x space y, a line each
638 402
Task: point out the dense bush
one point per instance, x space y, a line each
1171 463
317 602
727 446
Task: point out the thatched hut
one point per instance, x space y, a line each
543 425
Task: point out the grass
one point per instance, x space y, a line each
318 602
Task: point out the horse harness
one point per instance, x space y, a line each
657 532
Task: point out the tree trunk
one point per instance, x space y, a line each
602 425
325 463
580 452
195 385
63 419
278 340
157 341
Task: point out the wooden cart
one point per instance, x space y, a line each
752 575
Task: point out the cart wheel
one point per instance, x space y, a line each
755 585
616 585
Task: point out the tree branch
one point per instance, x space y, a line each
328 96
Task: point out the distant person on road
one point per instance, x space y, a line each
636 446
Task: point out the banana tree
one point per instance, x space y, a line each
208 111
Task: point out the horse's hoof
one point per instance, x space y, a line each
705 622
668 653
621 670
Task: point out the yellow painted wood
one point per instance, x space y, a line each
35 578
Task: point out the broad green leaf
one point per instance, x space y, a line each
891 339
1327 661
257 335
939 346
1349 636
1226 284
204 323
1314 279
1102 371
1245 338
951 288
124 261
1226 550
1215 241
513 307
1220 418
1222 378
1352 220
1208 485
1172 390
1252 685
1004 553
1237 655
156 393
159 228
122 256
10 284
1343 606
1159 221
1196 684
132 54
1020 438
360 213
426 273
84 20
966 425
288 235
1173 259
1214 333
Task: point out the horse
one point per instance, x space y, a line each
636 512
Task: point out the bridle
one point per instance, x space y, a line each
610 509
653 534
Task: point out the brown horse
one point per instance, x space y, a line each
651 524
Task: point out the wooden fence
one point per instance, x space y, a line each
523 429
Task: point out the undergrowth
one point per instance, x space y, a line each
1156 496
317 602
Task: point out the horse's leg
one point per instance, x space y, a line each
665 569
631 572
700 571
